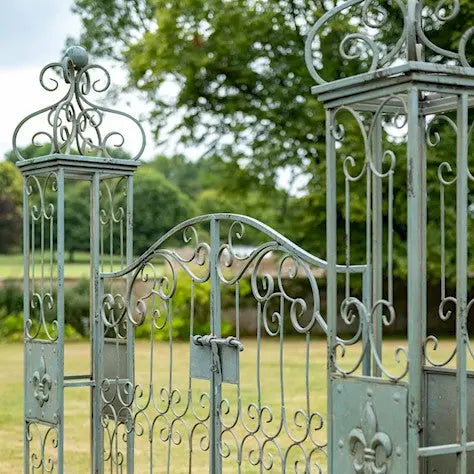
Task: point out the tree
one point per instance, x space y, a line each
10 206
158 207
243 87
30 151
76 217
219 185
11 183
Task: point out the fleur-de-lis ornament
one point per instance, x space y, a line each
42 383
366 441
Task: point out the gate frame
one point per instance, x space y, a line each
366 93
69 120
367 90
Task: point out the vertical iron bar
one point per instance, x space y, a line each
461 277
423 228
130 327
331 248
377 240
366 300
91 331
416 201
60 318
215 386
26 315
97 333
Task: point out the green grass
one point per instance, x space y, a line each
77 399
11 266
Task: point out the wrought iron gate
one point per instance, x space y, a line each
223 401
221 411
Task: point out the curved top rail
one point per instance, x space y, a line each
254 223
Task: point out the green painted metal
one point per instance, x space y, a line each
377 419
402 99
462 334
215 389
75 121
416 202
147 300
74 125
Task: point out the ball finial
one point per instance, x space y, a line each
78 56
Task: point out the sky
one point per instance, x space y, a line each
33 34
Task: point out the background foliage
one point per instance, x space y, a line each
228 77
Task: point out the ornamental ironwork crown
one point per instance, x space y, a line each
384 33
74 124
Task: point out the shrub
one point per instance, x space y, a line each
11 298
77 306
181 307
11 329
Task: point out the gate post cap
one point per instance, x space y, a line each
78 56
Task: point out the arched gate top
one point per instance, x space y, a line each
234 219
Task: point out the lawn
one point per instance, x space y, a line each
77 399
11 266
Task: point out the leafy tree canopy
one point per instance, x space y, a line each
10 202
158 206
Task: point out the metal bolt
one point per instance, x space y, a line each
370 392
396 397
339 388
341 444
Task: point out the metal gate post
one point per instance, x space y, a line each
60 316
407 94
26 316
331 232
416 201
97 332
130 327
79 150
377 235
215 461
462 335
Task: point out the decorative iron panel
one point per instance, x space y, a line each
440 423
42 382
370 427
190 409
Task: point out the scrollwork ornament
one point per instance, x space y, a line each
157 408
74 123
443 12
368 48
363 46
43 445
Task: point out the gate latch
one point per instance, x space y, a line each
211 354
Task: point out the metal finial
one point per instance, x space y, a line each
78 56
74 124
415 20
